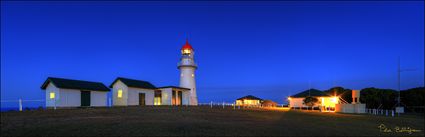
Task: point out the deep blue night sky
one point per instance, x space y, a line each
268 49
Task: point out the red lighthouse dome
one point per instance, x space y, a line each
187 45
187 48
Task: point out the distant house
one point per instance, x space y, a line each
325 100
268 103
131 92
74 93
249 100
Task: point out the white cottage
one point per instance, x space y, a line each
325 101
131 92
74 93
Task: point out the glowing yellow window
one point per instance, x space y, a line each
119 93
186 51
52 95
157 98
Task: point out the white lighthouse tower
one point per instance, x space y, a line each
187 67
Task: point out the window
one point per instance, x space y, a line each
186 51
119 93
157 99
52 95
193 75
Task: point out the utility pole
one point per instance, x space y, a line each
398 77
399 70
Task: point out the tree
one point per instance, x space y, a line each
310 101
413 99
341 92
375 97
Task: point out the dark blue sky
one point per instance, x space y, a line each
267 49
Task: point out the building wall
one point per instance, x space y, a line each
323 101
70 97
51 88
248 102
350 108
133 96
187 80
166 96
98 98
124 99
186 97
296 102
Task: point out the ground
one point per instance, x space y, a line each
167 120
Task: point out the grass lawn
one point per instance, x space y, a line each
167 120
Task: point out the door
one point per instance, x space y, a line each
85 98
142 99
180 98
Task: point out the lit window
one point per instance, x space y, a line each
186 51
52 95
157 98
335 100
119 93
193 75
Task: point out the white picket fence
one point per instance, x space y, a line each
20 102
384 112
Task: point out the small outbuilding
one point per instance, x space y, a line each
132 92
325 101
62 92
249 100
268 103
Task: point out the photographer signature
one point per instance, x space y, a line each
397 129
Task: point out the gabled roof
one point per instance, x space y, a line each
134 83
75 84
175 87
310 92
249 97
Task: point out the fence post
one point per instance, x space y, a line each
392 113
20 104
386 112
223 104
234 106
211 104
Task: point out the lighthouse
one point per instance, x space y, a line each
187 67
